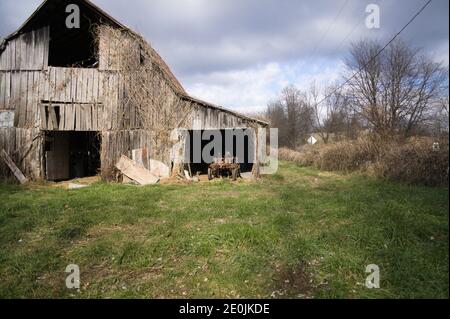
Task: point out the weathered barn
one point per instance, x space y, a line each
73 100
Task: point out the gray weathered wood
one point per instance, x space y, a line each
12 166
136 172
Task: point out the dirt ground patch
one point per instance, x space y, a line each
292 282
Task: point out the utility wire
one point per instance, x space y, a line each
350 33
376 55
329 28
347 36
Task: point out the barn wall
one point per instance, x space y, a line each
210 118
28 51
87 99
118 143
24 146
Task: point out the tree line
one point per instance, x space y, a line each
398 92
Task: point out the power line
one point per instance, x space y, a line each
329 28
376 55
350 33
347 36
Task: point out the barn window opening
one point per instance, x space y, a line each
76 47
71 155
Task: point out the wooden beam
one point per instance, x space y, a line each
53 117
136 172
16 171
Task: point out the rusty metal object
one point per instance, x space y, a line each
224 167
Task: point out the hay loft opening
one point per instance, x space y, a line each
71 155
240 145
75 47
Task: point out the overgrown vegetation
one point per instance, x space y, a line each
301 233
149 88
414 160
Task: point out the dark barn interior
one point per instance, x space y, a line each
72 155
246 163
72 47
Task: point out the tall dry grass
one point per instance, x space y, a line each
413 161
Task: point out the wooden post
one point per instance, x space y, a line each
16 171
255 169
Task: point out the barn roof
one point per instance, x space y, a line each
44 11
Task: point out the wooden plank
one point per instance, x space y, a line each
17 47
114 97
43 41
119 114
12 166
107 104
42 117
62 117
77 109
83 123
95 75
101 98
46 46
15 87
7 90
3 58
50 121
68 91
38 50
53 84
82 85
2 89
36 98
23 51
68 118
89 84
109 107
94 110
31 50
15 55
29 120
101 86
72 117
21 98
74 84
59 84
136 172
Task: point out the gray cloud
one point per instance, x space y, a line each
210 40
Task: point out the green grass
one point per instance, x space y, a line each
300 233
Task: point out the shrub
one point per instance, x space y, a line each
415 162
412 161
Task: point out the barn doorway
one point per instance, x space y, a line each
70 155
240 146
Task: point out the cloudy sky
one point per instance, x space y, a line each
240 53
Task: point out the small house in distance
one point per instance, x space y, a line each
74 100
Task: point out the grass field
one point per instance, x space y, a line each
300 233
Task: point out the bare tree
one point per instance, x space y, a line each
277 118
292 115
330 116
393 91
